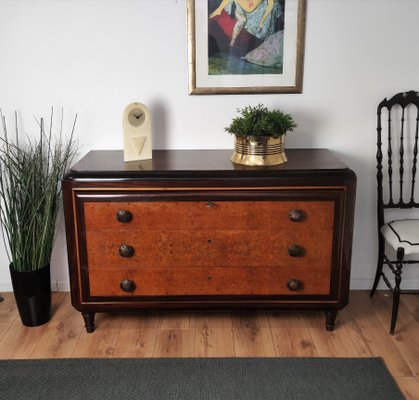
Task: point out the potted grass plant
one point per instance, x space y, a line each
260 135
30 197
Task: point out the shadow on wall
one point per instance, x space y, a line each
160 133
364 253
303 136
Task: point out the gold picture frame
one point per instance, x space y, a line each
274 63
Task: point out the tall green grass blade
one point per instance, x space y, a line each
30 192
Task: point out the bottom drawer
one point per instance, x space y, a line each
208 281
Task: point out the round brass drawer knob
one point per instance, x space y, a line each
296 215
295 250
124 216
126 250
127 285
294 284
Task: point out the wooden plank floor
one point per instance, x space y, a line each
361 331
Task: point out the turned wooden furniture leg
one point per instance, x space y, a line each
330 319
89 321
380 263
396 292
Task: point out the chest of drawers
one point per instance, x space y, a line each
191 230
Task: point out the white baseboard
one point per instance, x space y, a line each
5 287
356 284
56 286
62 286
366 284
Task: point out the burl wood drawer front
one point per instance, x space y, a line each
208 281
228 248
195 215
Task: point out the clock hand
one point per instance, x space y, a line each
138 116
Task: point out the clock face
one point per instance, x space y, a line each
136 116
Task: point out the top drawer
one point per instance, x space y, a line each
250 215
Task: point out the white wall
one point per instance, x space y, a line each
94 57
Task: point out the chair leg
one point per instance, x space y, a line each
396 291
380 263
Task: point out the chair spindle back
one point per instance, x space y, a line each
397 156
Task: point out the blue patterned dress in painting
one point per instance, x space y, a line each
254 17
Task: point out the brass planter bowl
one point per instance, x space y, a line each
259 151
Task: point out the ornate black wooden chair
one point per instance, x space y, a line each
397 151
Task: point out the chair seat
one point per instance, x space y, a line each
403 233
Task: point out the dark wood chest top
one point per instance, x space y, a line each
109 164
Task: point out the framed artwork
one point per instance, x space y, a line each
246 46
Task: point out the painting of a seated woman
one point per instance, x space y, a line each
245 36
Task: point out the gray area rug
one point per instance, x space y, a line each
197 379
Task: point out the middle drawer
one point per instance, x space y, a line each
204 248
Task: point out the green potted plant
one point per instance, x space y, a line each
30 198
260 135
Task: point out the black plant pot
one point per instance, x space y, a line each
32 290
